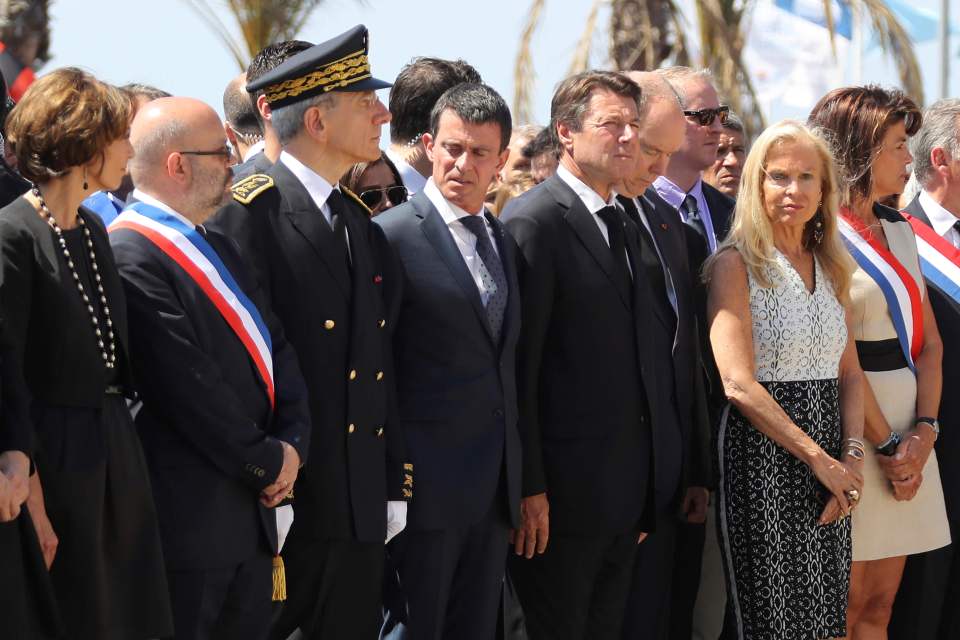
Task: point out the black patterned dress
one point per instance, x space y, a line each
787 576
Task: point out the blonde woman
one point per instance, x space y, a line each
790 439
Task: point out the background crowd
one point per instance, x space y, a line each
627 375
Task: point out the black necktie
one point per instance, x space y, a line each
956 225
693 219
338 222
612 217
494 279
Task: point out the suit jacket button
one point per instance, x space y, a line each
260 473
353 374
498 413
379 375
379 432
351 428
329 324
382 323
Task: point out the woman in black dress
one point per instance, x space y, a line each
64 314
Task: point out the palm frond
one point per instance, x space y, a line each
895 42
581 56
523 73
208 16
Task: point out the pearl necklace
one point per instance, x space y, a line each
108 351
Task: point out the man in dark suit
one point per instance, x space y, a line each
455 343
223 437
311 244
261 155
928 602
699 205
597 468
664 585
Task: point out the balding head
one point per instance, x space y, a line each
662 131
179 156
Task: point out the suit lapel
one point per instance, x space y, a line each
437 233
309 221
916 210
585 227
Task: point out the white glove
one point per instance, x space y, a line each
396 518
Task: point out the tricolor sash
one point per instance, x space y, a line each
899 288
188 248
939 260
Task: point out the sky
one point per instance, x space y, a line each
164 43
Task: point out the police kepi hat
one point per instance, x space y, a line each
339 64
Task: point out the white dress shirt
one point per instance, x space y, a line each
465 240
149 200
412 180
318 188
254 149
941 220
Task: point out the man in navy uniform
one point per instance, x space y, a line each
224 422
311 245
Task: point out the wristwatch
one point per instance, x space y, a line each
932 422
889 446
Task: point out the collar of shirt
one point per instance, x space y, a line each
590 198
254 149
412 180
674 195
149 200
941 220
315 184
447 210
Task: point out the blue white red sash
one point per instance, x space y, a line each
901 291
191 251
939 260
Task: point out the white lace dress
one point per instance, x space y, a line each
787 576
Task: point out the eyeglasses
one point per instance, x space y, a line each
397 194
705 117
224 151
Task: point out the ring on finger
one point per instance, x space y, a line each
852 495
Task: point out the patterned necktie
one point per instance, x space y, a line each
693 218
612 218
491 273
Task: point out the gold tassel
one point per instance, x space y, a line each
279 580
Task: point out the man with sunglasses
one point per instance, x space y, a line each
311 244
699 205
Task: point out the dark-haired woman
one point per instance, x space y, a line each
64 314
378 184
902 509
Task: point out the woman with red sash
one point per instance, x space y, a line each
901 510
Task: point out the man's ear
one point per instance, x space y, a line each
314 123
263 107
502 160
427 140
565 135
177 169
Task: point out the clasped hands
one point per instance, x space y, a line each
904 469
14 484
281 487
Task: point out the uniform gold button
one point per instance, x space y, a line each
329 324
353 374
379 375
351 428
382 323
380 432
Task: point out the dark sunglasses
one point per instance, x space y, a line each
705 117
397 194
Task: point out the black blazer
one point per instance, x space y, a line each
337 324
456 388
672 239
45 320
947 313
588 382
257 163
211 439
721 210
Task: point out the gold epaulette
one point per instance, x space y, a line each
244 191
355 198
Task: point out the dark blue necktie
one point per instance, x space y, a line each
492 275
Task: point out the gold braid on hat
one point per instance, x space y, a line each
340 73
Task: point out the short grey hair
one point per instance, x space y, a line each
678 76
733 122
287 120
940 122
151 150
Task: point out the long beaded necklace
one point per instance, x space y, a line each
108 351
